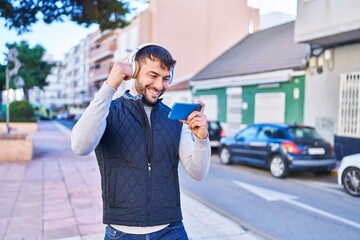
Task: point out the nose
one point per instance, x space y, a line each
158 84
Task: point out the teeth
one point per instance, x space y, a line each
154 92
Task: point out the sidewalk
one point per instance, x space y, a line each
58 196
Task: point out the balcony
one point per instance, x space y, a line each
101 73
104 51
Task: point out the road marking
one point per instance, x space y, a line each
328 187
270 195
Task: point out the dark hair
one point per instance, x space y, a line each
155 52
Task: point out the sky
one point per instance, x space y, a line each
57 38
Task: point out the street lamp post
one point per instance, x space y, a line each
7 101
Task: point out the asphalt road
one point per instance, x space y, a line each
67 123
302 206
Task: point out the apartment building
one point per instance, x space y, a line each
52 96
102 46
76 80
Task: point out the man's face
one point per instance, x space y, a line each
152 80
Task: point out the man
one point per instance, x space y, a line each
138 148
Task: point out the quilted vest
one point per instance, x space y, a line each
139 165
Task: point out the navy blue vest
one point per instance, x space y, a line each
139 165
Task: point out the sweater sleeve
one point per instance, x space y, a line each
88 130
195 155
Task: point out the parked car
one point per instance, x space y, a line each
279 147
216 132
349 174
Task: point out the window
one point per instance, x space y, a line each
268 132
304 133
269 107
247 134
349 113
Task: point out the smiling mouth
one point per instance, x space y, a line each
154 93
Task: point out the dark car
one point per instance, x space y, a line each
216 132
279 147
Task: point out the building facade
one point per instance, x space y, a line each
76 80
332 102
52 96
102 47
260 79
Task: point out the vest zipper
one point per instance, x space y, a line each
149 194
149 155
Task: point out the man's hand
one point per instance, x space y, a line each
120 71
197 122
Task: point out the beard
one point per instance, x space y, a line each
142 90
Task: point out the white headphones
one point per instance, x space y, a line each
135 64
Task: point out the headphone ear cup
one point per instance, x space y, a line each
171 75
136 69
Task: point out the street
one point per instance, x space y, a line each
302 206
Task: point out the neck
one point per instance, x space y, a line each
133 91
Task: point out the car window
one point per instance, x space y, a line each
270 132
247 134
304 133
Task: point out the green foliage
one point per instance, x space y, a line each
21 111
20 15
33 69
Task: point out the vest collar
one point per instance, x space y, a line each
129 96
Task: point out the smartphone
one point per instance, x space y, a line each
180 111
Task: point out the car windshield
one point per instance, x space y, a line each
304 133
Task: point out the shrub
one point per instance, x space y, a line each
21 111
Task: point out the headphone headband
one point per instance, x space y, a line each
136 65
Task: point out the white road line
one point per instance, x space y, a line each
270 195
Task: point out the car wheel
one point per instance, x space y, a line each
322 172
225 157
278 167
351 181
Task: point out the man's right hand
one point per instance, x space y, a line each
120 71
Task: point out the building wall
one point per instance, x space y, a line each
294 99
318 19
76 80
53 93
219 109
198 31
322 90
169 98
102 47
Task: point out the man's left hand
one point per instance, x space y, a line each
197 122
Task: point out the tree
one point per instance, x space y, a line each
34 69
20 15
